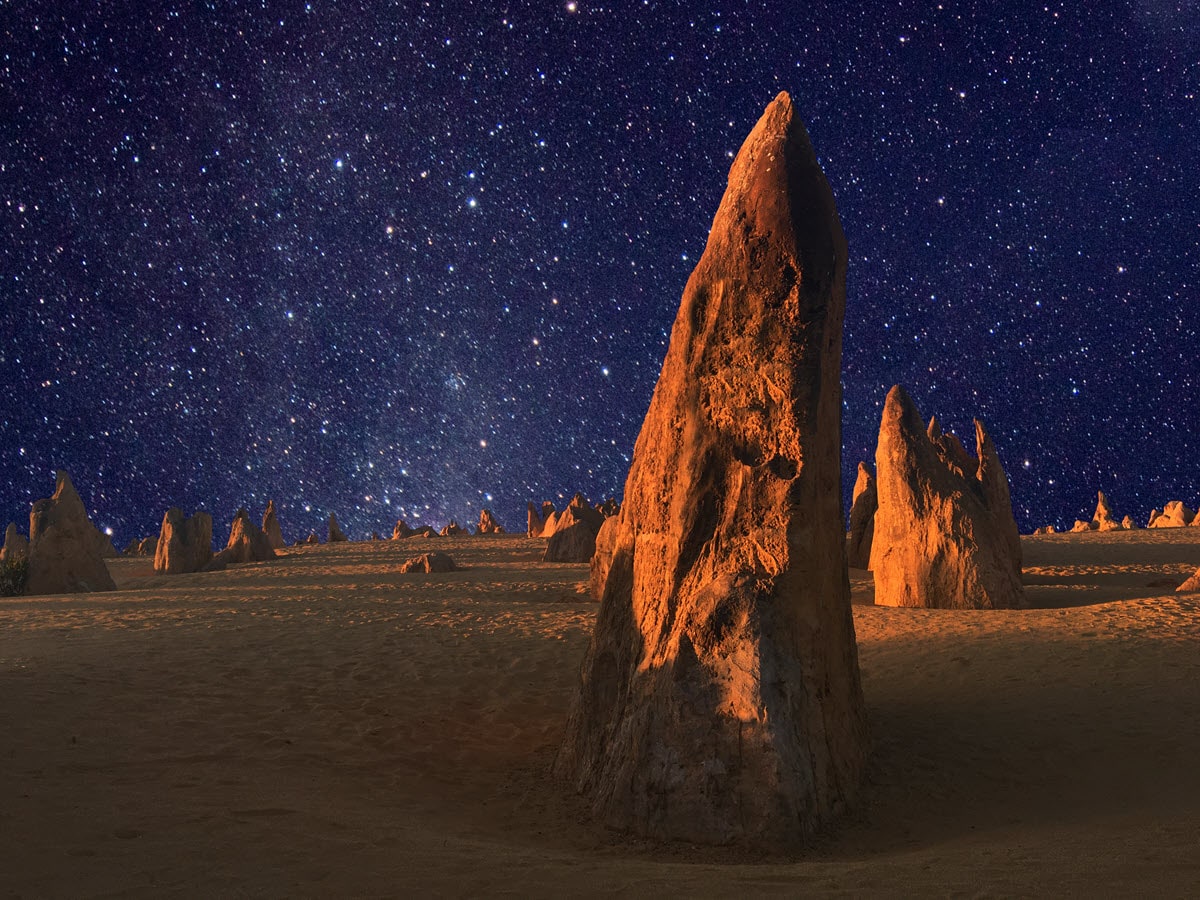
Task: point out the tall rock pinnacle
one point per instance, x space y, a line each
720 699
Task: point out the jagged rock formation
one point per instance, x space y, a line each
453 529
429 562
1128 524
534 522
1081 526
488 523
574 538
1103 516
335 532
1045 529
270 527
720 698
1173 515
401 530
141 547
16 545
862 519
945 536
64 555
609 507
246 544
184 544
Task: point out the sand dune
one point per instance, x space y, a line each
323 725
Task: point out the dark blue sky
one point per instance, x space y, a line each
405 259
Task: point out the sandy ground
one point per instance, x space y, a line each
323 726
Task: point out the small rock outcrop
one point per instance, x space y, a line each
1128 524
270 527
246 544
1081 526
488 523
534 521
184 544
429 562
335 531
574 538
862 520
16 545
1173 515
401 530
1045 529
1103 516
312 538
945 536
720 698
1192 585
64 555
452 529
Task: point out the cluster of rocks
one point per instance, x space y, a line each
185 543
1174 515
944 535
1102 520
141 547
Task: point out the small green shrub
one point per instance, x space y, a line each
13 575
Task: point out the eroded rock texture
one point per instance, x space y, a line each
16 545
1173 515
720 697
184 544
429 562
575 530
1102 518
945 536
488 523
862 519
270 527
246 544
64 555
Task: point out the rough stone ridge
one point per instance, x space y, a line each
945 536
720 698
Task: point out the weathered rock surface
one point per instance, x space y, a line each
1128 524
945 536
720 698
488 523
184 544
401 530
1081 526
575 530
453 529
64 555
1102 518
1173 515
862 519
606 541
429 562
1192 585
246 544
609 507
16 545
270 527
534 519
335 531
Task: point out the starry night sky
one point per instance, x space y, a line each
410 259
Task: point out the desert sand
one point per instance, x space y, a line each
322 725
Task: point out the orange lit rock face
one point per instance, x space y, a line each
429 563
488 524
184 544
64 555
1174 515
720 698
945 536
862 519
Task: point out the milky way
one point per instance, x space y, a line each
407 260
